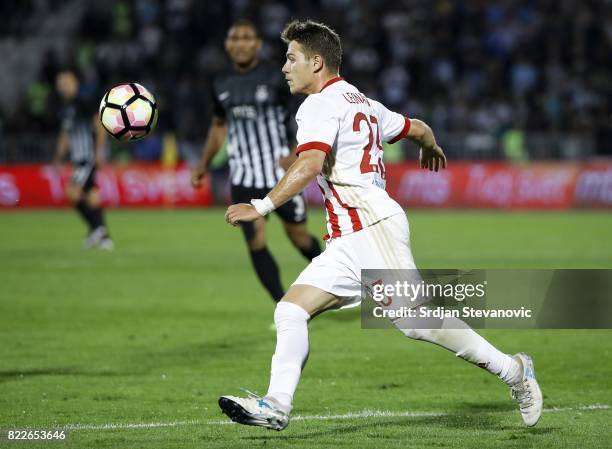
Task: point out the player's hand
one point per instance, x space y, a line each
196 177
432 158
237 213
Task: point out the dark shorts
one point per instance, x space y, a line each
84 175
293 211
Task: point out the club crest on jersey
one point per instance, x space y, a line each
261 93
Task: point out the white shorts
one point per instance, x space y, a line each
337 270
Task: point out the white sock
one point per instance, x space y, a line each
291 352
456 336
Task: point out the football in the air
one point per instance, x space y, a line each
128 112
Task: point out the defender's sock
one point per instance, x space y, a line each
98 219
456 336
267 271
313 250
86 212
291 352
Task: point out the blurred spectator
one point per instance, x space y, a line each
475 67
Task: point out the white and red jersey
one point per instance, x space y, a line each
350 129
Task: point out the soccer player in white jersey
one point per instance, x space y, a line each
339 136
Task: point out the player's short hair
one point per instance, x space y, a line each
316 38
245 23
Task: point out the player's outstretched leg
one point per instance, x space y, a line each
291 318
517 372
291 352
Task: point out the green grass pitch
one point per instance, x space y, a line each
132 348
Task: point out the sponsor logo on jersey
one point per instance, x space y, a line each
244 111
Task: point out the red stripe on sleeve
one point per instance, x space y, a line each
321 146
355 220
404 131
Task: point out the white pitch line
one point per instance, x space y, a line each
351 415
151 425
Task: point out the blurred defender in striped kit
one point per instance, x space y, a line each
251 109
82 135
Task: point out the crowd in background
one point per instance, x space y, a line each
20 17
462 65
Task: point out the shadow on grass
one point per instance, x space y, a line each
483 407
467 417
335 430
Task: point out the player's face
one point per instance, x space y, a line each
242 45
67 85
298 69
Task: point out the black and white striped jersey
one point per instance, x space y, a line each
255 107
77 121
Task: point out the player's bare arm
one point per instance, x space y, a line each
100 140
307 166
214 140
287 161
431 155
299 175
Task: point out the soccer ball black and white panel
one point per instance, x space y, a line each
128 112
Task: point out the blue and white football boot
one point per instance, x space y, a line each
527 391
255 411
